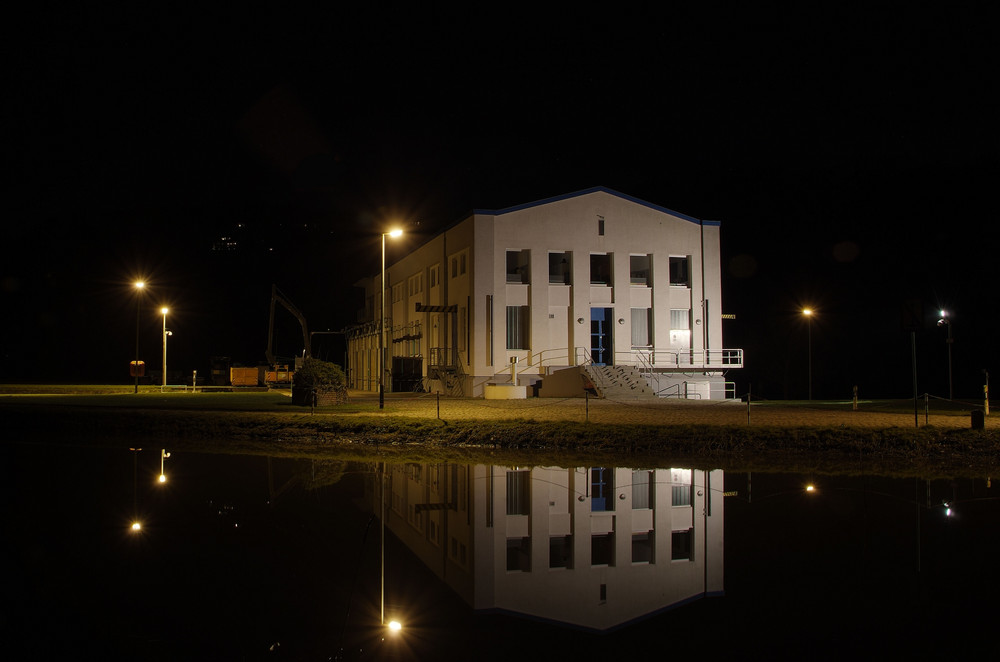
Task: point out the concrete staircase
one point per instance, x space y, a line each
618 382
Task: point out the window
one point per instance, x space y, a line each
518 492
602 487
600 226
434 275
518 266
680 328
397 293
600 269
561 552
518 327
680 493
642 547
681 547
642 490
560 268
602 549
642 327
639 271
679 274
518 554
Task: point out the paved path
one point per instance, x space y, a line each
670 412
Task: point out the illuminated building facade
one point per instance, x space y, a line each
594 279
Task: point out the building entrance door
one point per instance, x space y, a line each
601 340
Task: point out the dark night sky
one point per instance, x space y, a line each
849 158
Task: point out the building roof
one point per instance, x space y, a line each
595 189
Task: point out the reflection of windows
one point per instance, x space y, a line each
600 269
518 554
681 489
602 549
518 492
518 266
642 547
679 274
681 547
642 490
560 268
602 487
561 552
638 270
642 327
518 327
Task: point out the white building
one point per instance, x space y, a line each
592 278
591 547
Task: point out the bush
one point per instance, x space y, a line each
324 379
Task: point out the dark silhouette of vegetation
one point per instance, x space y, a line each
319 383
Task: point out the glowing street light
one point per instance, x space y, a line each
944 321
808 313
381 324
138 297
166 333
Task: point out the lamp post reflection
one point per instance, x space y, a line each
163 455
136 525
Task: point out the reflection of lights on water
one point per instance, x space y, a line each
947 508
163 478
810 488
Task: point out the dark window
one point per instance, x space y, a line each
642 490
600 269
639 271
600 226
561 552
681 546
559 268
679 274
518 266
519 554
602 549
642 547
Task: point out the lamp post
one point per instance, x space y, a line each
944 321
166 333
135 366
381 324
808 313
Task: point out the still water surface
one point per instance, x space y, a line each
253 558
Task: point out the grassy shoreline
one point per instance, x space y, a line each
267 424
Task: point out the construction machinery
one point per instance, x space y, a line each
278 374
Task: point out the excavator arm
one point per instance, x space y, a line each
278 297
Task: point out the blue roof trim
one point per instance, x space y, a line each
596 189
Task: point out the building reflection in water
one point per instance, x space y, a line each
591 547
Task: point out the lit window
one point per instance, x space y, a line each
642 327
642 490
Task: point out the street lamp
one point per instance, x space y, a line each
135 366
381 324
944 321
808 313
166 333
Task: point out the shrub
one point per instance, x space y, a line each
324 379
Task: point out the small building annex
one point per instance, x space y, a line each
552 295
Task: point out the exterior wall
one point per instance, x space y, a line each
594 222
